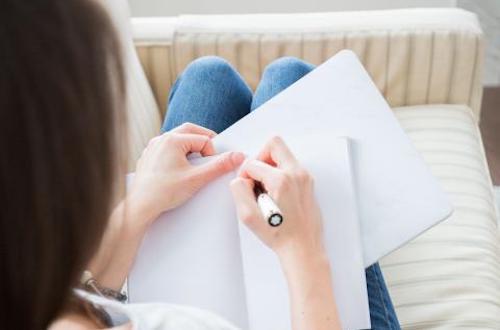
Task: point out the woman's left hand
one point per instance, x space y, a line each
165 178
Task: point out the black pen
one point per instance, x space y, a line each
268 207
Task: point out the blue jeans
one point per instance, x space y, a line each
212 94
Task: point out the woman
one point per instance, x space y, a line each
62 178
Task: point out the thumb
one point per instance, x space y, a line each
218 166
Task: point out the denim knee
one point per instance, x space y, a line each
210 69
213 67
209 93
277 76
290 64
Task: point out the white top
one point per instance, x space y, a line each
157 316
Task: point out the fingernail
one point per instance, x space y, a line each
237 157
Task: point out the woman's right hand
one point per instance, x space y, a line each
298 240
291 187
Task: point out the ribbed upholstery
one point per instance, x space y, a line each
156 60
422 57
449 277
142 110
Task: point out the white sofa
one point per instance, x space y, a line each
427 63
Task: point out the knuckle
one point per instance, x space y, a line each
247 216
187 125
224 163
169 138
276 140
153 140
283 181
303 175
310 181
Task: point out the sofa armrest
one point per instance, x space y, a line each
415 56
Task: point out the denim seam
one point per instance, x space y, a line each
386 312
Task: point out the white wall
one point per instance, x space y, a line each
488 12
175 7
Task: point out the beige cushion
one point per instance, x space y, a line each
143 115
449 277
418 56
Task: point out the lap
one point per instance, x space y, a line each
212 94
209 93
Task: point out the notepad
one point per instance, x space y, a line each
396 196
266 293
201 255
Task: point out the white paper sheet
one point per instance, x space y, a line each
191 256
266 289
398 196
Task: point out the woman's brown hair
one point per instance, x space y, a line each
61 107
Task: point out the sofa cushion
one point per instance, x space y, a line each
414 56
449 277
143 116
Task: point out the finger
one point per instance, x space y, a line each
246 205
193 143
218 166
194 129
260 171
151 144
153 141
276 152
